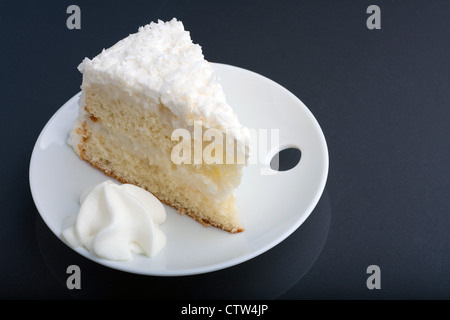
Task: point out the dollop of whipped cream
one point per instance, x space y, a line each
116 221
161 61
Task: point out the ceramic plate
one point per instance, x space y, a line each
272 204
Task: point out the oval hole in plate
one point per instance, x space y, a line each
285 159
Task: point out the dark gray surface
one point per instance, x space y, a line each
381 97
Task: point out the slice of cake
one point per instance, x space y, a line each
153 113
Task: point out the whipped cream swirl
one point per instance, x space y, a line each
117 221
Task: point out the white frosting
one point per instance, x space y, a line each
161 61
116 221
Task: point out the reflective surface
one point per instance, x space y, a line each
264 277
381 96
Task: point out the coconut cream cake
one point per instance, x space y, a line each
153 113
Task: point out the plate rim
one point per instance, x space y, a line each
216 266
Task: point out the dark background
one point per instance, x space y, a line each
382 98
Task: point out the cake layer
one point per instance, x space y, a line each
102 152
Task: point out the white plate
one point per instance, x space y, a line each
271 206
